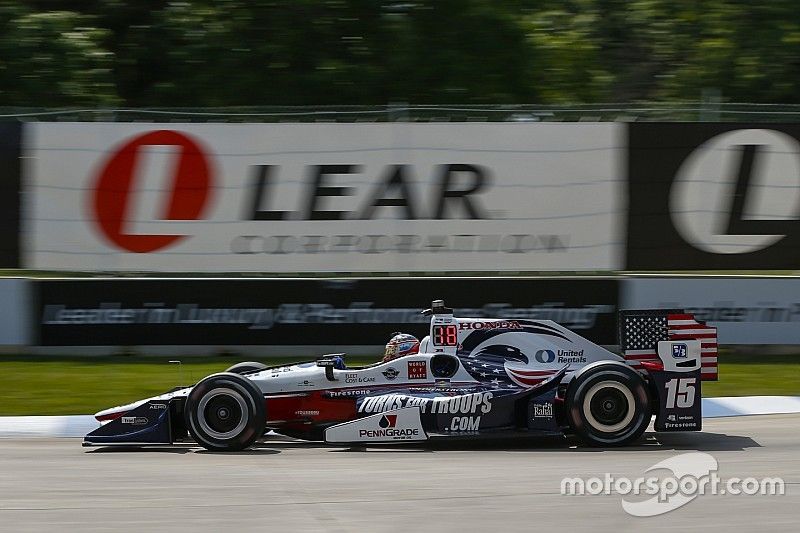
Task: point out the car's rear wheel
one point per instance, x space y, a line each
608 405
225 412
246 367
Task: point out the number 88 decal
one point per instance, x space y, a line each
445 335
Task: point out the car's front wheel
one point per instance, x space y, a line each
225 412
608 405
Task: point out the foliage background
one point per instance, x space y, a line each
195 53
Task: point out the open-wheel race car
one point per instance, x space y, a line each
470 378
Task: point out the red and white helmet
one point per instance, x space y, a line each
399 345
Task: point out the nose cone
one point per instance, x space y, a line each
146 423
112 413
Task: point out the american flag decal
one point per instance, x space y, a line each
640 332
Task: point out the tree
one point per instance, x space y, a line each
53 58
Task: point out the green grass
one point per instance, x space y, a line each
51 385
57 385
755 375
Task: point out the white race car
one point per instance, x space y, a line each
470 378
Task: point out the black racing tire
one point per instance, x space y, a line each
246 367
225 412
608 404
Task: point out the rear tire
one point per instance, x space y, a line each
225 412
608 405
246 367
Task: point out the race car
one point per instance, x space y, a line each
472 377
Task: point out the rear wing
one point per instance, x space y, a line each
640 331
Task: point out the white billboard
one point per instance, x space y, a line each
744 311
307 198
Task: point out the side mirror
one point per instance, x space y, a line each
329 362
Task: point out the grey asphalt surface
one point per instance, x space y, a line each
55 485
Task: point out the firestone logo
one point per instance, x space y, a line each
185 199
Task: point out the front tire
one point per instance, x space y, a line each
608 405
225 412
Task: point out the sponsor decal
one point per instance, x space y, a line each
714 196
355 378
348 393
305 383
113 192
679 351
571 356
417 369
135 420
306 413
390 373
562 356
490 324
678 421
464 424
158 406
543 410
437 387
257 317
388 429
479 402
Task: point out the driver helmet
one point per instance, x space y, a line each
399 345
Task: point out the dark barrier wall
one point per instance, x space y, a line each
713 196
10 135
302 312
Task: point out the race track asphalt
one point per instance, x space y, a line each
55 485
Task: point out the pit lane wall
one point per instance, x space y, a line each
315 316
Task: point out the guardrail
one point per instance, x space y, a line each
600 112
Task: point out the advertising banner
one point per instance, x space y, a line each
15 312
744 311
325 313
303 198
713 196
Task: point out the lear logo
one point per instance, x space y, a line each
738 192
183 198
545 356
